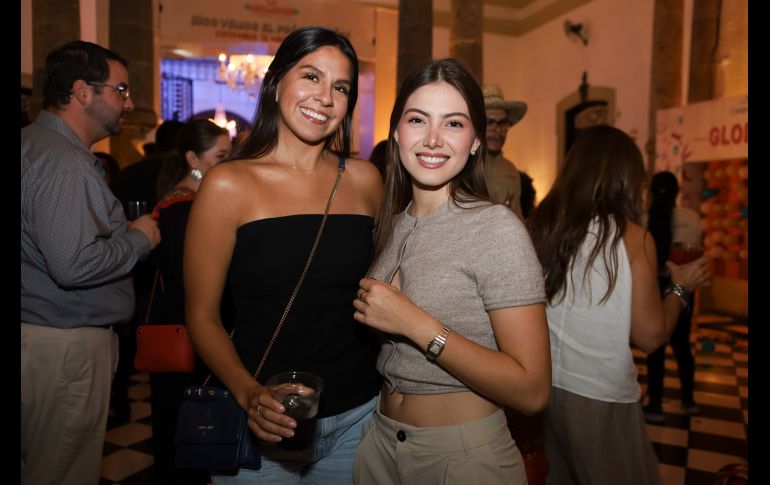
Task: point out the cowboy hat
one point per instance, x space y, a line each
493 98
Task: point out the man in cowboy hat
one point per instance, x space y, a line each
500 174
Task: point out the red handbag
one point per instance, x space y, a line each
163 348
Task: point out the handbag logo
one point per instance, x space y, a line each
203 428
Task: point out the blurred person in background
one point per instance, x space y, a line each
601 282
138 181
201 144
667 224
500 174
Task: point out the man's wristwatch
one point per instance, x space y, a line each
679 291
436 346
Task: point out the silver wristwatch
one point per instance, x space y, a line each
436 346
679 291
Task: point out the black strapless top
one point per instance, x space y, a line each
320 334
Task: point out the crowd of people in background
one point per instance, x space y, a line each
456 323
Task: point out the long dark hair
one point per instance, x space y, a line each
602 179
663 191
263 135
468 185
196 136
70 62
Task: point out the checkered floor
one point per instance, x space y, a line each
690 449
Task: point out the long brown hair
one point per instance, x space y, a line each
602 179
468 185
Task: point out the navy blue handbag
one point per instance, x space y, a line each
212 433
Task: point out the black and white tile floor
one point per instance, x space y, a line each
690 449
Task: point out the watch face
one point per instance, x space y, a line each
434 347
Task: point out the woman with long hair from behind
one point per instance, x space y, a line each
601 283
253 224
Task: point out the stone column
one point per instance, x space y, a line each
666 83
466 29
415 35
705 37
54 22
131 36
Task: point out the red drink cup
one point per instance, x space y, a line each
683 253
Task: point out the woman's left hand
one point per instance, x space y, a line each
384 307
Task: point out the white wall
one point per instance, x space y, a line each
543 66
385 65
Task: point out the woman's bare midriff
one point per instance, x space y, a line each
428 410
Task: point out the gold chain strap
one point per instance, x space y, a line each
301 277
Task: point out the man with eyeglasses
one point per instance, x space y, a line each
77 252
500 174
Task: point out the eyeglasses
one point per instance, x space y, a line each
503 124
121 89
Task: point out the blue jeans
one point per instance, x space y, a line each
329 462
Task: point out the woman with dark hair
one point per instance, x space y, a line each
253 224
200 145
668 223
461 318
600 281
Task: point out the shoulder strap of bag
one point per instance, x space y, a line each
340 169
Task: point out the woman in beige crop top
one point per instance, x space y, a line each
449 434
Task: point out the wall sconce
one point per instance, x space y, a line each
576 30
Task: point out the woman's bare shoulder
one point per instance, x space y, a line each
234 172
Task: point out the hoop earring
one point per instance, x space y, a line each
196 174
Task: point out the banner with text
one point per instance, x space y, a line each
263 21
699 132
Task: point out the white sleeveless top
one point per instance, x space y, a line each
590 350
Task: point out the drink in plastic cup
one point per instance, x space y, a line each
300 393
683 253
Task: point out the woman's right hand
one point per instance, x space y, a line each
691 275
266 416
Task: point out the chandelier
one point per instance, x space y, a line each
243 72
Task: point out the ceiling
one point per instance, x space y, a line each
503 17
